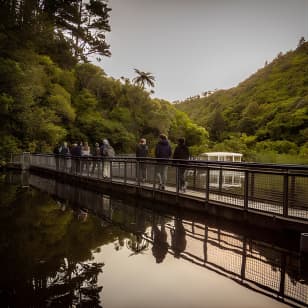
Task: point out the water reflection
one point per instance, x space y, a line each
51 247
178 238
45 252
159 244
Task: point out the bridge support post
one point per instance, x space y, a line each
304 243
207 186
246 189
285 194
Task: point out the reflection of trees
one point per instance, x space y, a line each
46 256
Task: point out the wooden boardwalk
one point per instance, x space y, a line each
274 190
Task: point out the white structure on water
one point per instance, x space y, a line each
221 156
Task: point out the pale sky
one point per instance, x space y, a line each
192 46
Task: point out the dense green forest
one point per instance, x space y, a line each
49 92
265 117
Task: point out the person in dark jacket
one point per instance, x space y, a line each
96 158
142 150
181 152
162 150
56 152
76 154
65 152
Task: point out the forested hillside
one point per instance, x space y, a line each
50 93
266 116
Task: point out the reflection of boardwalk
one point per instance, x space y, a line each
263 267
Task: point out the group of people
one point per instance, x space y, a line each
163 152
82 149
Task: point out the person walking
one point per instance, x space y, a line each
76 151
181 152
96 158
162 152
85 153
107 152
142 151
56 152
65 152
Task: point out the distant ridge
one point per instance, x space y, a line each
271 105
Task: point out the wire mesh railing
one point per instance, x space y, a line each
276 189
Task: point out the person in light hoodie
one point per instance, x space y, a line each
162 151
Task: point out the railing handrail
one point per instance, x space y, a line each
279 190
189 163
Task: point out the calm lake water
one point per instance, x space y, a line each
64 246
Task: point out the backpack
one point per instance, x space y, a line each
109 151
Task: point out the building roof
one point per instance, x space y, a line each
221 154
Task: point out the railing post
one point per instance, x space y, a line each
177 180
207 186
220 179
292 191
125 171
252 185
194 181
110 165
246 189
285 194
137 171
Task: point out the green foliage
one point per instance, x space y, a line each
60 102
67 30
8 144
271 105
46 97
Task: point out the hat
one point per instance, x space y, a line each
105 141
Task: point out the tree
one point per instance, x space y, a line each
87 24
301 42
217 126
143 78
73 25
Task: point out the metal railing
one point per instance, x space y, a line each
281 190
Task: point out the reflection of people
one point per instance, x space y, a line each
181 152
160 245
82 215
178 238
141 151
162 150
